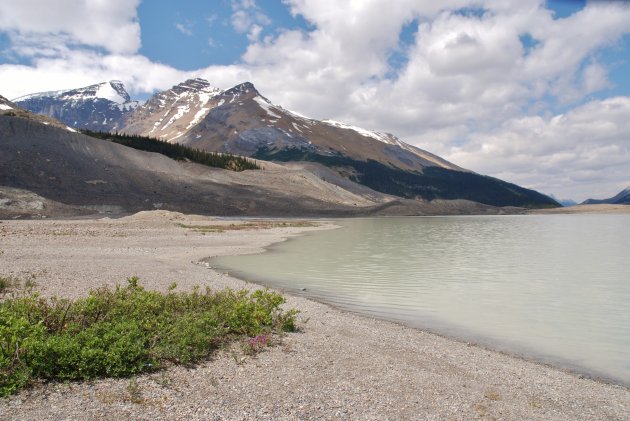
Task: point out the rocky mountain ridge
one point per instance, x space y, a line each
49 171
101 106
241 121
170 114
245 122
10 109
621 198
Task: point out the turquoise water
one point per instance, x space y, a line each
552 287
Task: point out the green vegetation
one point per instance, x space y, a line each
12 284
177 151
6 283
432 183
128 330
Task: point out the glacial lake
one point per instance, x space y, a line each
555 288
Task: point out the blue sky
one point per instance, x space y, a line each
194 34
535 92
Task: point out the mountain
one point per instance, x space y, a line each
244 122
95 107
89 173
563 202
9 109
169 114
241 121
6 105
51 170
621 198
567 202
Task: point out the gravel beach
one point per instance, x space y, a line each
339 366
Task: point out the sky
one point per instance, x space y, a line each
534 92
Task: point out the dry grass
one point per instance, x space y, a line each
249 225
492 395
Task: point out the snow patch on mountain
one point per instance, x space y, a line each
198 116
49 94
381 137
296 127
298 115
107 91
266 105
181 110
5 107
113 91
101 106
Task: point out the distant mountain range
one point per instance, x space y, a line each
241 121
567 202
621 198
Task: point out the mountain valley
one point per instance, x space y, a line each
320 167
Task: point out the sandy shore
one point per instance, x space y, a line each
584 209
341 366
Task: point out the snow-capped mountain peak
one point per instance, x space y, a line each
96 107
170 113
194 86
242 88
114 91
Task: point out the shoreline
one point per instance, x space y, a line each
331 369
525 354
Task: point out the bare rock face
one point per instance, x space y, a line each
9 109
170 114
80 172
242 121
99 107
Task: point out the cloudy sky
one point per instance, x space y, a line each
534 92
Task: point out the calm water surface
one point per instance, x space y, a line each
552 287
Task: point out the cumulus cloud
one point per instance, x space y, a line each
111 24
479 84
82 68
248 18
582 153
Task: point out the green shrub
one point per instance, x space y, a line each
127 330
6 283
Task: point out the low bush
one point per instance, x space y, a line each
127 330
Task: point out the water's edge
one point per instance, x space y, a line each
452 333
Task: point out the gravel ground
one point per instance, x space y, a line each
340 366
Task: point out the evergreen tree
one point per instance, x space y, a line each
177 151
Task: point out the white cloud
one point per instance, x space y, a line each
111 24
469 90
583 153
241 21
82 68
248 18
184 28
